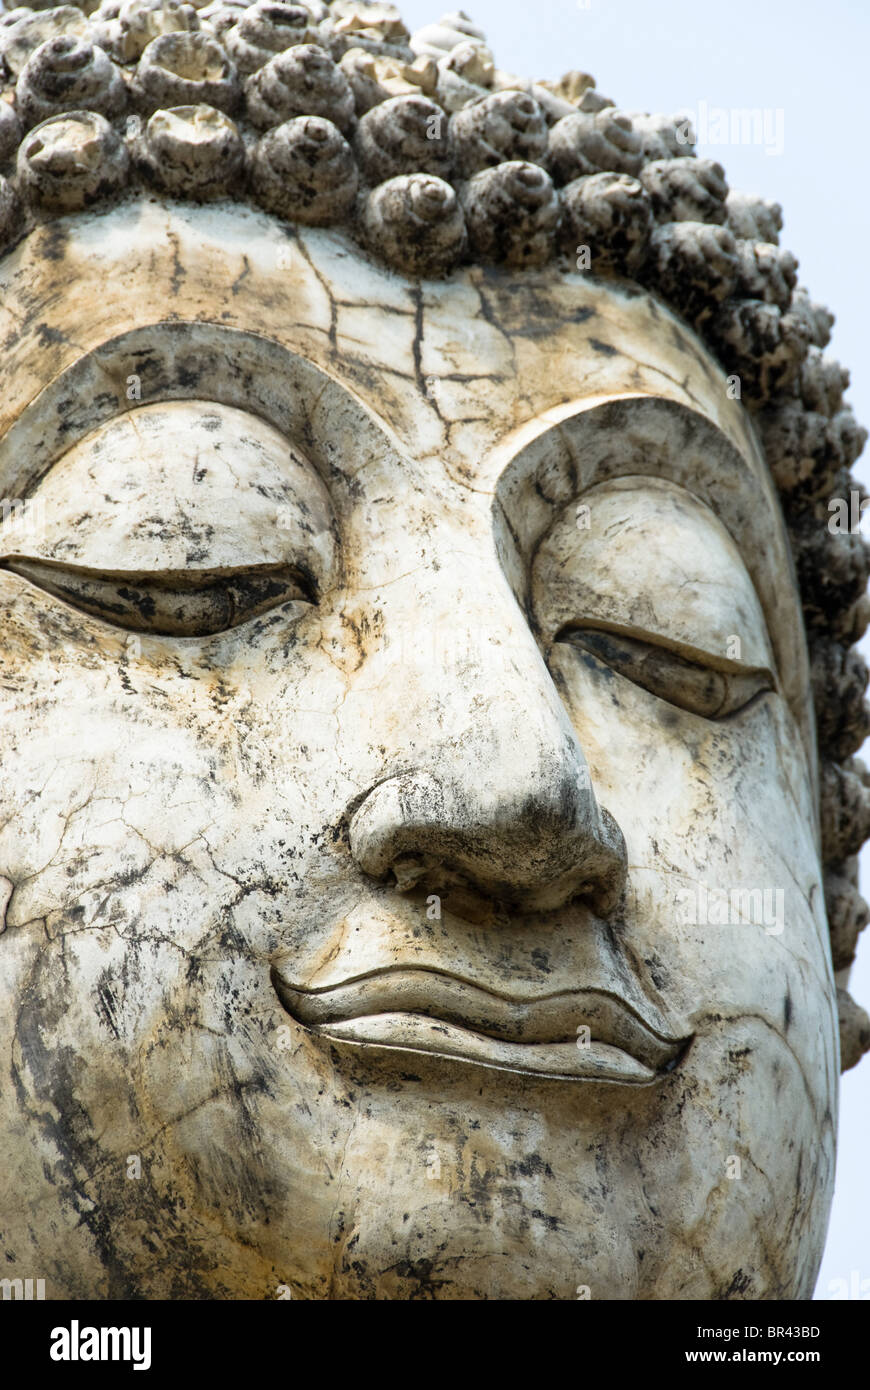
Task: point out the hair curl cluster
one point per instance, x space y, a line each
329 112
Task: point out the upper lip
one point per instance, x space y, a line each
525 1031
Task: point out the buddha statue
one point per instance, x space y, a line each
429 705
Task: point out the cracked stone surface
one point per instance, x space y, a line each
399 681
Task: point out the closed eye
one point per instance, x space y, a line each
186 603
713 691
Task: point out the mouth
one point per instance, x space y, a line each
571 1035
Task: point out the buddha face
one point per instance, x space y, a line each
408 845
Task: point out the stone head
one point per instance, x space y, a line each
429 802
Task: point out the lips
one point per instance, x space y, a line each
421 1010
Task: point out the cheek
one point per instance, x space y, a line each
153 787
157 833
724 900
155 830
737 1158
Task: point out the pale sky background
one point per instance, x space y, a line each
808 61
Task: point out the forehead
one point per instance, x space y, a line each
454 367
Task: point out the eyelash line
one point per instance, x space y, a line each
703 673
138 595
693 656
186 580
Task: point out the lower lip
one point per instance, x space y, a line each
404 1032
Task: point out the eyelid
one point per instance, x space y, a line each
697 656
179 603
698 591
187 579
712 686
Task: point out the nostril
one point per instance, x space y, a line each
407 870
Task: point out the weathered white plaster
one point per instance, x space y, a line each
307 912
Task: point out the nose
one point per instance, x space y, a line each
502 798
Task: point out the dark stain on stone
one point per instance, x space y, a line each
740 1282
606 349
682 343
53 242
234 287
658 973
48 336
107 1004
541 960
552 1223
532 1166
178 270
420 1273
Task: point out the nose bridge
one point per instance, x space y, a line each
493 779
502 725
473 677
